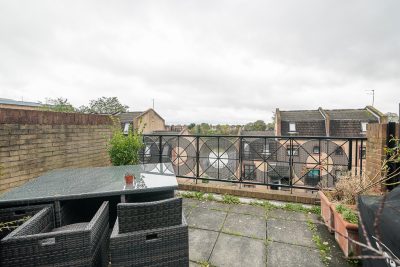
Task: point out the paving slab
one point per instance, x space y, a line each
206 219
189 202
214 205
201 243
245 225
282 255
287 215
248 209
186 211
291 232
238 251
336 254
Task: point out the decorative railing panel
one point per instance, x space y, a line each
276 161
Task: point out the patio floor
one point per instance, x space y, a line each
245 235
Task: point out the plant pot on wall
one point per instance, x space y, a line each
326 211
344 229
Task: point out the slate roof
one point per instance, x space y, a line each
129 116
301 115
351 114
6 101
258 133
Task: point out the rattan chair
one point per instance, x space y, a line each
11 218
150 234
38 242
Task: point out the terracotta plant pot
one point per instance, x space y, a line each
345 229
129 179
327 212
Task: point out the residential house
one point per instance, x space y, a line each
325 122
147 121
325 159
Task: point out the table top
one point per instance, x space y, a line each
92 182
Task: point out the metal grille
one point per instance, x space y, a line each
275 161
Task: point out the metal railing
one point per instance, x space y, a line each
279 162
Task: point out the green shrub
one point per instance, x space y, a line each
124 149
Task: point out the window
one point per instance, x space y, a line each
294 150
265 150
126 128
292 127
246 149
339 151
312 177
249 172
313 173
315 150
147 151
363 152
364 127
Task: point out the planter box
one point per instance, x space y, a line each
327 212
345 229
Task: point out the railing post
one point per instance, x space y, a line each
350 162
291 165
218 156
361 157
319 160
197 158
240 161
160 148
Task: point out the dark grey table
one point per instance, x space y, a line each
82 185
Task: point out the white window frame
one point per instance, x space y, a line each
265 151
364 126
292 126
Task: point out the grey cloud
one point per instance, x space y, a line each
216 61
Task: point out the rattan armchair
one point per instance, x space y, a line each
38 243
150 234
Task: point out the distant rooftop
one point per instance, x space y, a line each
6 101
301 115
350 114
258 133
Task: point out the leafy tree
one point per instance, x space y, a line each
58 105
104 105
258 125
271 125
392 117
191 126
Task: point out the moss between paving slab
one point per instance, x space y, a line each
229 199
322 246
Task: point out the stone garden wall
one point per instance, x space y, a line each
34 142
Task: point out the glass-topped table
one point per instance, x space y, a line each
82 183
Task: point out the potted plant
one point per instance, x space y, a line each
338 205
326 210
124 149
346 229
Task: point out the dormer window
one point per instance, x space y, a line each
364 126
292 127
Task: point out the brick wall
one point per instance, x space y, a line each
376 135
377 138
33 142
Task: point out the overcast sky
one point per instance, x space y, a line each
203 61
